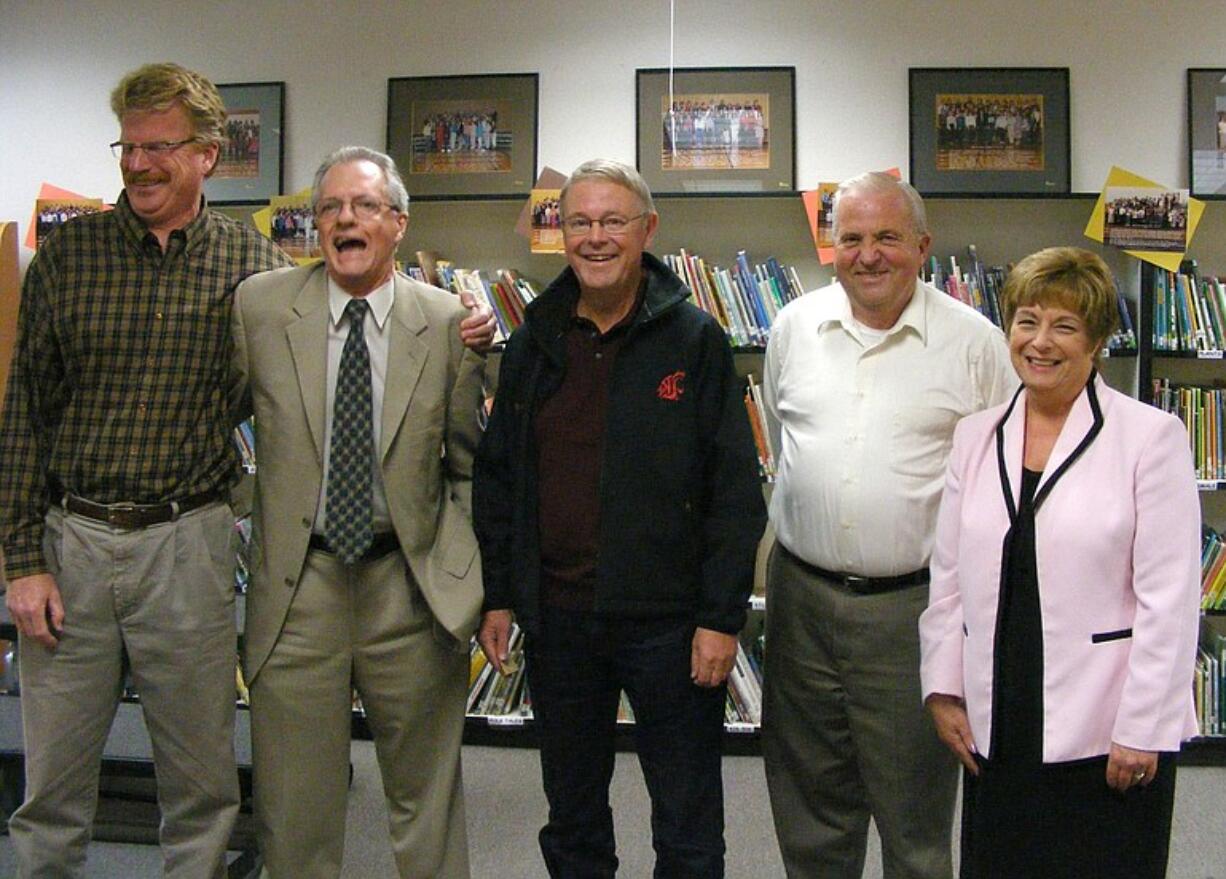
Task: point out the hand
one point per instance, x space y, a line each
954 728
711 656
1127 767
36 608
477 330
494 636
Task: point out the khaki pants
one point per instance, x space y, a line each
844 731
365 626
165 594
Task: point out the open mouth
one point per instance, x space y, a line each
344 245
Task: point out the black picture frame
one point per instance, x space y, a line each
1207 132
701 150
1022 151
495 159
250 170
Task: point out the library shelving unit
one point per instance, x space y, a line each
1193 365
1004 229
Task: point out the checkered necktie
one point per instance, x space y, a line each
348 528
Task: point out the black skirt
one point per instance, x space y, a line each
1022 818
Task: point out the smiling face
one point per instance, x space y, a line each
360 254
164 190
878 254
1052 352
608 266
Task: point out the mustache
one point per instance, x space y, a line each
137 178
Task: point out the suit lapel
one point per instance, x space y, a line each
1082 425
1010 440
406 357
308 342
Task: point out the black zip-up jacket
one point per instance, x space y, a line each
681 508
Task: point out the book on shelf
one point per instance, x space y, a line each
744 298
981 286
1213 570
757 423
1209 687
1203 412
1189 312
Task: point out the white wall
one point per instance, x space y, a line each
59 59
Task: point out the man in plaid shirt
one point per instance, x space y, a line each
115 468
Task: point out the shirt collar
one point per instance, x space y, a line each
914 315
195 233
380 301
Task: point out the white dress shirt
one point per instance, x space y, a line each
863 426
378 336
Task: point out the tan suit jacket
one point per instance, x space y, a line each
430 431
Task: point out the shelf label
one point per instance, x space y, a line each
741 727
1208 484
1208 355
504 720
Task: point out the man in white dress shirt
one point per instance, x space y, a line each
865 380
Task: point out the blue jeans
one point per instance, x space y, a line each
577 666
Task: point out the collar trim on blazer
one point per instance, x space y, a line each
1049 483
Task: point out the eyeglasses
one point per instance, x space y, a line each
363 208
154 149
613 225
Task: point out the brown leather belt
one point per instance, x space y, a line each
130 516
380 545
863 585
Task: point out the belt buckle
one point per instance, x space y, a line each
116 514
853 581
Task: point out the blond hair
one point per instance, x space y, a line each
160 86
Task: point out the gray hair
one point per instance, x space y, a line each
611 171
397 195
882 183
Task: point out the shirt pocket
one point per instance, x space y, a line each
920 439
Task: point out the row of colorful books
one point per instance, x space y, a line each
981 286
1213 570
1210 684
744 298
494 694
1189 312
506 697
765 445
1203 412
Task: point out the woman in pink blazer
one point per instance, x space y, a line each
1060 637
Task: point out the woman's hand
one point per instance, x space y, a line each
1127 767
954 728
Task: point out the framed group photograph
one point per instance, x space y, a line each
717 130
464 136
250 165
990 130
1207 131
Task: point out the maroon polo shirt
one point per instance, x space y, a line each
570 434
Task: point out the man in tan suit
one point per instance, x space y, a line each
364 570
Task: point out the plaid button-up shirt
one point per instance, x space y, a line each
120 388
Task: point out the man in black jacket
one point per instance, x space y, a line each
618 509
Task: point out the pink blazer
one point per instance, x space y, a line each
1117 542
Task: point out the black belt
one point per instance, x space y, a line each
131 516
380 545
863 585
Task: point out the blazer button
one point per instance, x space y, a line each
289 581
306 523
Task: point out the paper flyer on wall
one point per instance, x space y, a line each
1152 222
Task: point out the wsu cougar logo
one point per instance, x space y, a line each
672 386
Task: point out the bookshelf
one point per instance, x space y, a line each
1187 369
480 234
